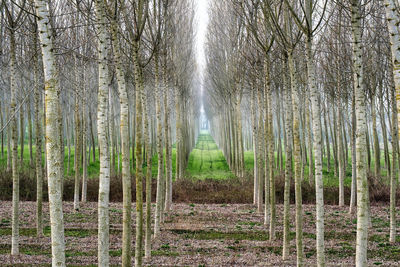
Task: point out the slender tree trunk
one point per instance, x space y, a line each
377 151
14 144
362 183
262 177
30 133
309 121
160 160
111 128
334 140
148 181
297 160
54 165
38 144
78 140
339 142
288 162
67 126
395 167
84 141
2 132
167 136
270 143
382 118
125 147
317 130
22 134
102 122
254 136
353 154
92 136
393 21
328 144
368 146
9 139
139 157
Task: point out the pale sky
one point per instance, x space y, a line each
201 30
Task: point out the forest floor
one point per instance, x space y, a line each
200 235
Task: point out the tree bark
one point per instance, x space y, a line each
78 139
288 162
14 144
54 165
317 130
102 121
297 160
38 143
139 158
362 183
125 147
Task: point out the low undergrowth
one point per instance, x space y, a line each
191 190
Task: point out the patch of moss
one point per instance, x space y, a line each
211 235
31 249
164 253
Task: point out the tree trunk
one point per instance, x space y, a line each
160 160
30 133
353 154
392 24
125 147
377 150
269 125
54 165
9 139
22 134
84 141
262 177
38 143
395 167
78 139
297 160
362 183
254 136
339 152
288 162
148 181
14 144
317 130
167 136
328 144
102 122
139 158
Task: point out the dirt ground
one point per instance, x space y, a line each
200 235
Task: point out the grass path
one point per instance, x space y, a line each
206 160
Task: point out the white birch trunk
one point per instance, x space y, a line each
102 120
54 164
78 147
297 160
393 20
38 144
125 148
14 145
317 132
160 176
139 158
362 183
288 163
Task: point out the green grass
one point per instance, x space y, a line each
207 161
214 235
